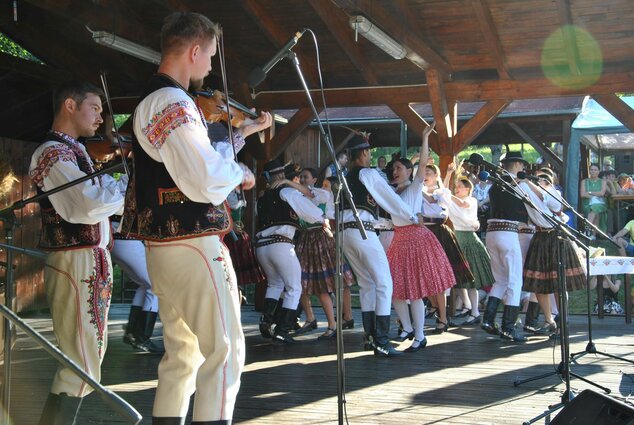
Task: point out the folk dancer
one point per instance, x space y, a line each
175 202
76 232
418 264
279 210
435 218
541 268
367 257
503 244
463 213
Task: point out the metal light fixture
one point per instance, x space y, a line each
362 25
126 46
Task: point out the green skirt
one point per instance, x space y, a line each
478 258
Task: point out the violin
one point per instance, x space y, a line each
216 108
103 149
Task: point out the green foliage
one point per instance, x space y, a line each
120 119
12 48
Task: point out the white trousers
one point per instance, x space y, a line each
129 255
385 238
506 265
283 272
78 287
204 343
369 263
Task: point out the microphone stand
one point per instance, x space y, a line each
590 347
343 188
7 215
564 366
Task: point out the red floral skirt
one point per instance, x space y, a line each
418 263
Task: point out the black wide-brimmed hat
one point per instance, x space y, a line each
359 141
274 166
513 156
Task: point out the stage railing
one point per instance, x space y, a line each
117 403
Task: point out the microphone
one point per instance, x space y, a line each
486 176
522 175
477 159
257 75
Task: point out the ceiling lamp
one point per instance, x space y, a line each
126 46
362 25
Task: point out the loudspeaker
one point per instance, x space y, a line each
592 408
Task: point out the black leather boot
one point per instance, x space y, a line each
285 325
146 343
369 327
508 331
60 409
382 345
131 327
168 421
531 323
266 320
488 321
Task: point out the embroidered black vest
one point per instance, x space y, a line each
360 195
58 234
155 209
273 211
505 206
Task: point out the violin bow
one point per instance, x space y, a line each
223 71
104 84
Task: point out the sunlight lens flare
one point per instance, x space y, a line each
556 64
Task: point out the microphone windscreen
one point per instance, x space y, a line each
521 175
476 159
256 76
483 175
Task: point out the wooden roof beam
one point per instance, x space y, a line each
278 36
543 150
619 109
337 23
467 91
478 123
442 117
490 33
570 40
415 122
418 52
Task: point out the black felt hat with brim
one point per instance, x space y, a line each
273 167
513 156
358 142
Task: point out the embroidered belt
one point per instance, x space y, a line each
543 229
270 240
430 221
528 230
353 225
502 226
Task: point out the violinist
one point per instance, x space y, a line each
76 232
176 203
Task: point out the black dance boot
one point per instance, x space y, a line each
285 325
146 343
488 321
131 327
508 331
382 345
532 317
168 421
60 409
369 328
266 320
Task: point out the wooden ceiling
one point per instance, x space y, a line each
492 51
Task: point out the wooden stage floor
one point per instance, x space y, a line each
463 377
